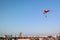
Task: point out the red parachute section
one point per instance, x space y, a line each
45 12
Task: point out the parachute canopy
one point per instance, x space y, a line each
46 11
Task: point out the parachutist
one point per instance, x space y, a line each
45 12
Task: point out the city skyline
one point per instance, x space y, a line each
26 16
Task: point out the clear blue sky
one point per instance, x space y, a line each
26 16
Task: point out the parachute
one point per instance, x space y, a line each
45 12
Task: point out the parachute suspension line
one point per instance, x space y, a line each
45 15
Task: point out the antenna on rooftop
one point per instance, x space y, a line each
59 33
20 34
